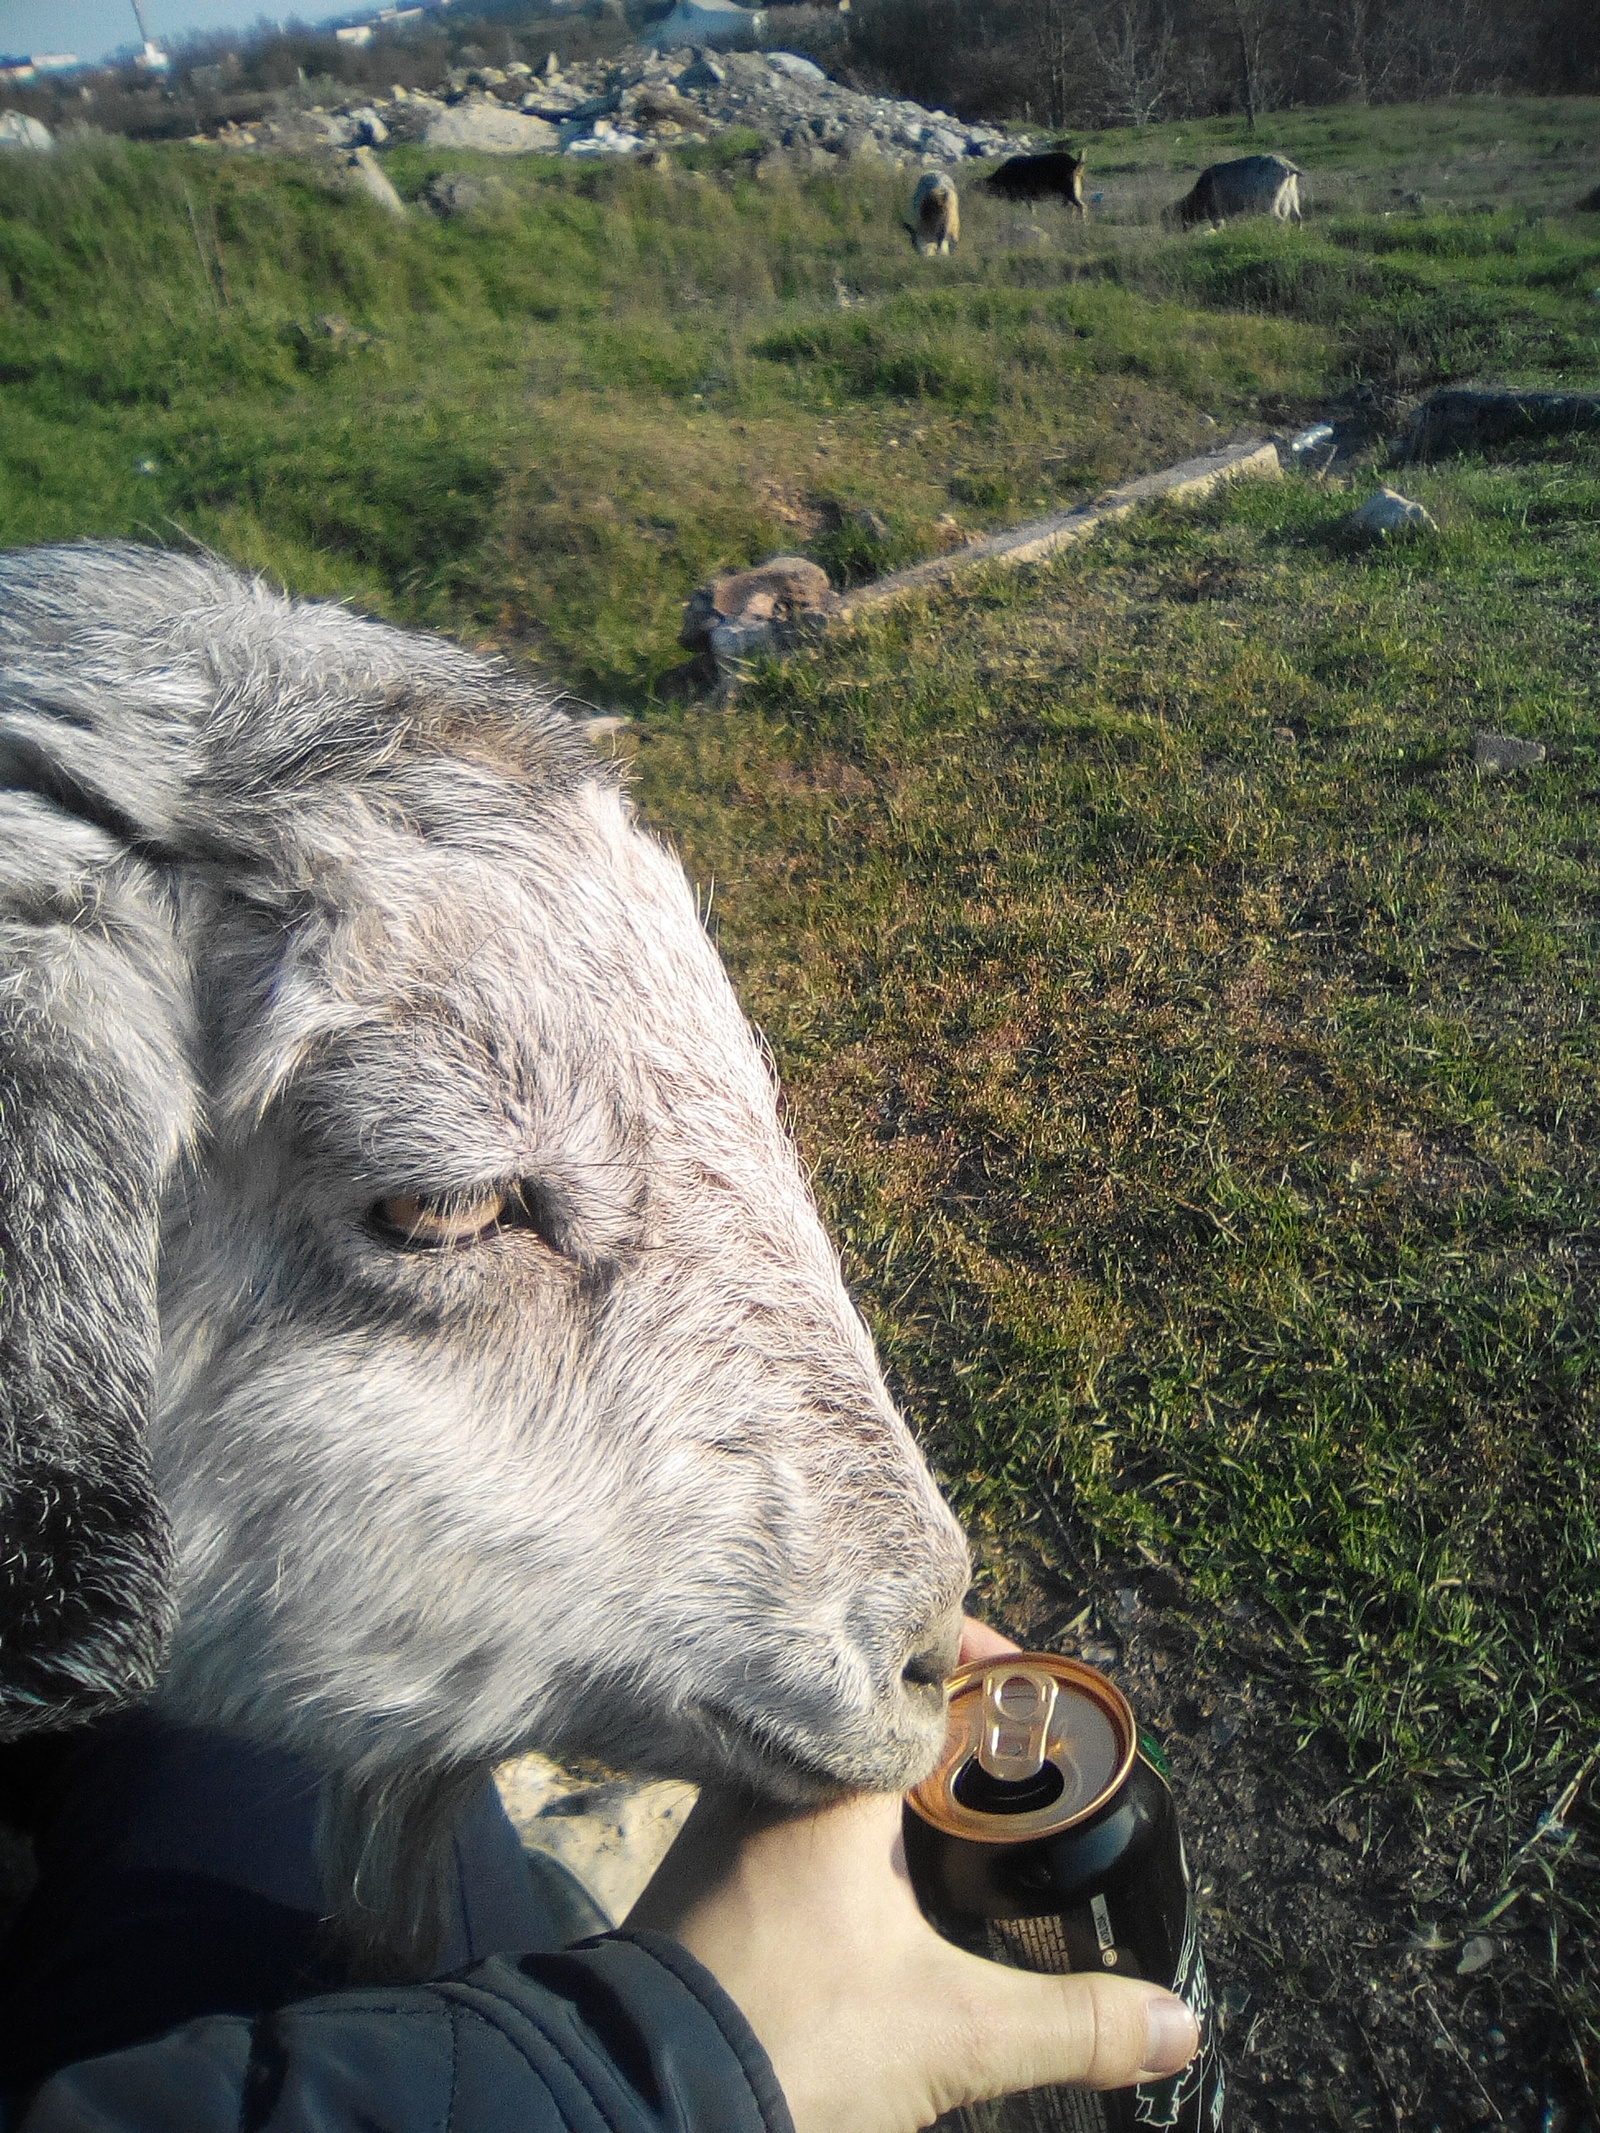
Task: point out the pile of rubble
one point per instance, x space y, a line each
643 102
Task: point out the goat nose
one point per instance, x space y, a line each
934 1658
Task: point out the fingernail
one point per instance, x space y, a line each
1170 2038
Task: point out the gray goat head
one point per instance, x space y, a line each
407 1271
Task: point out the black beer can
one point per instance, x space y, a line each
1047 1839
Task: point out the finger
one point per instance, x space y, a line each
1025 2031
979 1641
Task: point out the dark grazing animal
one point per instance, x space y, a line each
1055 175
1254 185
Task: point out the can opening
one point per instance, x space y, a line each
984 1794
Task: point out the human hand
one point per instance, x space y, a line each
873 2023
979 1641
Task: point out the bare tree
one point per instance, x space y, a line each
1255 29
1131 48
1057 25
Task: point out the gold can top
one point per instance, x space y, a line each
1035 1744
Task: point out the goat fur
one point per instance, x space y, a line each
299 914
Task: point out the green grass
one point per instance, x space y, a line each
551 420
1200 1064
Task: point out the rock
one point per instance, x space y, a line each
657 106
795 67
454 193
370 131
492 130
373 180
671 84
1476 1954
612 1836
1387 513
1505 751
19 132
605 140
704 73
732 619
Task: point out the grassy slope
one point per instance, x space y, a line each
574 406
1200 1065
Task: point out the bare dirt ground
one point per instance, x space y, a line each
1354 1993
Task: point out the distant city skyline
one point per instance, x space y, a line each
95 29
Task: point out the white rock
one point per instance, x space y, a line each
18 131
948 147
493 130
604 141
795 67
1387 512
612 1836
1505 751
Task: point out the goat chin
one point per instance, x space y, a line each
384 1843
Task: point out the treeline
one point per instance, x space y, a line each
1118 62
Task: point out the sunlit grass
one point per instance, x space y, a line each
1199 1062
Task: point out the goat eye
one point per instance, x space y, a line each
410 1219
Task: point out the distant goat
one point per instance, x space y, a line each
935 214
1055 175
1254 185
382 1145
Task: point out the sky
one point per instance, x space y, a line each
94 29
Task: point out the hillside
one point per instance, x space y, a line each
1195 1053
543 422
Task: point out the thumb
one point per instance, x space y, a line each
1023 2031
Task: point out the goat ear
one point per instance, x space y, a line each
96 1100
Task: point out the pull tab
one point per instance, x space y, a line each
1018 1705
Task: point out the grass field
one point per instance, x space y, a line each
546 423
1196 1056
1201 1063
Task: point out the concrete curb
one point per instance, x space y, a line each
735 645
1256 457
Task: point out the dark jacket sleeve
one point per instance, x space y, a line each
626 2033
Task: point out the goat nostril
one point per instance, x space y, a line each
931 1664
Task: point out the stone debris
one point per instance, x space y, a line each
1494 752
19 132
492 130
1387 513
734 619
645 100
613 1835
